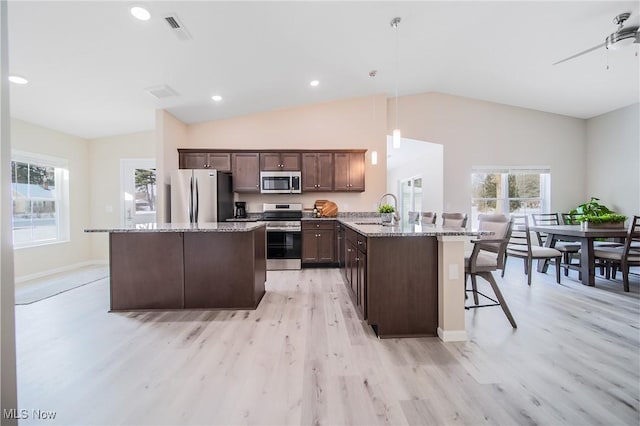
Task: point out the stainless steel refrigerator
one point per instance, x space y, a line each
199 196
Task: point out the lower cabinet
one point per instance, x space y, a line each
318 241
355 269
186 270
234 280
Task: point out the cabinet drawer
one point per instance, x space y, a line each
350 235
361 243
318 224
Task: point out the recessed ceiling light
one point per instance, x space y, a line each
314 83
17 79
140 13
216 98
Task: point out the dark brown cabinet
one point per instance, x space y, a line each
348 171
317 171
220 161
318 241
322 170
280 161
355 269
187 270
246 171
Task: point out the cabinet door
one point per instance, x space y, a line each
350 267
220 161
270 161
290 161
324 179
326 245
193 160
362 284
309 172
246 172
341 171
309 245
356 172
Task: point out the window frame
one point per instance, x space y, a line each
61 199
503 200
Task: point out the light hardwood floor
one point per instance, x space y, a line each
303 357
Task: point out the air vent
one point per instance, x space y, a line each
177 28
161 92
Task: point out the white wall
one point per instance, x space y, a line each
170 135
357 123
418 158
474 132
613 159
104 174
34 260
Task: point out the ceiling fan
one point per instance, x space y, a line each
624 35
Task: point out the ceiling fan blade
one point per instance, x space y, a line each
581 53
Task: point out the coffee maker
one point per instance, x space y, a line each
241 209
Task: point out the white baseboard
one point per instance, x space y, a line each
66 268
452 335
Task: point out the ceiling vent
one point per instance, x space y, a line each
177 28
161 92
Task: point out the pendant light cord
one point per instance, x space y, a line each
397 67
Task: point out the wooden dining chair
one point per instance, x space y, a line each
624 257
454 220
428 218
569 249
488 256
520 246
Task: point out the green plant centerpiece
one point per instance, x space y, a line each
594 214
386 213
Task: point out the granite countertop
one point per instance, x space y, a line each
185 227
370 227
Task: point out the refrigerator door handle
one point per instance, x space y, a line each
191 200
196 204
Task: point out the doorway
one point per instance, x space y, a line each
138 191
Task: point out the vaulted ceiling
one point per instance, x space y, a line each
89 64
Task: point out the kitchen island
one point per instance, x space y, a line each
187 266
406 280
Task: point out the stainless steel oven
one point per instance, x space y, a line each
284 235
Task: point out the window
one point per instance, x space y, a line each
39 187
503 190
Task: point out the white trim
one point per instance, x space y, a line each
452 335
32 157
66 268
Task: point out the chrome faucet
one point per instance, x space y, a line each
396 214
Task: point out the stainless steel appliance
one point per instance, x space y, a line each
199 196
280 182
284 235
241 209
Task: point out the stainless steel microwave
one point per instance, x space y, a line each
280 182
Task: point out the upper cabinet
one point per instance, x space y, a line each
317 171
220 161
279 161
246 171
348 171
323 170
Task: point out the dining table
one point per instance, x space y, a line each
586 237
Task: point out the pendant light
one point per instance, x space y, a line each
396 131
